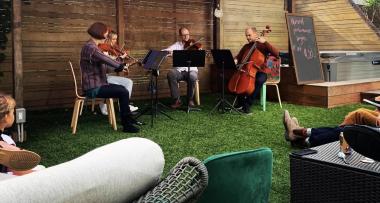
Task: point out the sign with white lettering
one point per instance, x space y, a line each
304 48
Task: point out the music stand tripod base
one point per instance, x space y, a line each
152 63
221 58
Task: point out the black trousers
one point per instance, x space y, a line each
117 91
247 100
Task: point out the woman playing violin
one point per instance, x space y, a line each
180 73
110 48
93 65
245 101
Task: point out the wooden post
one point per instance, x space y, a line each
120 22
18 88
291 6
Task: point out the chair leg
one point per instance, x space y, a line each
81 108
263 97
278 95
197 98
92 105
73 116
113 116
108 103
76 110
111 113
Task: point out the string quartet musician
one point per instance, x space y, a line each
178 74
244 101
94 64
112 49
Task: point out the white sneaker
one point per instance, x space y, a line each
133 108
103 109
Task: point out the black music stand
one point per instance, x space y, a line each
223 58
152 62
189 58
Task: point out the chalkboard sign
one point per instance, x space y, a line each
304 49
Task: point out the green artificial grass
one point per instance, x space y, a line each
197 134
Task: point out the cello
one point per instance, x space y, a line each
243 80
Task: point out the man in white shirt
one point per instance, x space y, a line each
180 73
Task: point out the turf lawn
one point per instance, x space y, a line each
196 134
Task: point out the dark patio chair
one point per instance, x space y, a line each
364 139
185 182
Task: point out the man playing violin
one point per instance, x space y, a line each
246 101
180 73
111 49
93 65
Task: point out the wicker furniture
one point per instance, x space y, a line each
185 182
324 177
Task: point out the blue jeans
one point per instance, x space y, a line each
324 135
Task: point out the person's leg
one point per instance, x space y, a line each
323 135
261 78
362 116
126 83
118 91
123 81
118 172
173 78
193 79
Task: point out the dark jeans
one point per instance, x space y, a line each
247 100
174 76
320 136
117 91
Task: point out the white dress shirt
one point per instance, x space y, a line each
180 46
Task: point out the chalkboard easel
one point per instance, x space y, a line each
304 49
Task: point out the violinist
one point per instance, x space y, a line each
245 101
93 65
110 48
178 74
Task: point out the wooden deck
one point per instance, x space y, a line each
327 94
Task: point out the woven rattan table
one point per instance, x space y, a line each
324 177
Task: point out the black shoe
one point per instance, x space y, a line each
136 122
129 128
246 109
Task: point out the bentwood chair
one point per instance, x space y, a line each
79 102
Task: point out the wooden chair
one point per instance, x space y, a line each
79 102
196 92
273 78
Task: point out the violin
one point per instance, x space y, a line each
116 53
192 44
243 80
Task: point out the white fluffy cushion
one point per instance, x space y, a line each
117 172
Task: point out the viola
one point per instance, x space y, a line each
243 80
